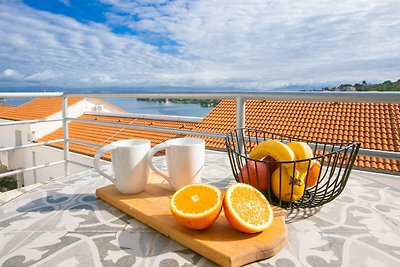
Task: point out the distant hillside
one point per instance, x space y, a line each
364 86
385 86
201 102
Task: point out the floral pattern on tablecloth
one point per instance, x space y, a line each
63 223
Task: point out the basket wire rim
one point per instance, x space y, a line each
312 197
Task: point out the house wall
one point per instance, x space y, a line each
44 154
74 111
29 157
92 103
44 128
8 135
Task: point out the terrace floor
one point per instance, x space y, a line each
62 222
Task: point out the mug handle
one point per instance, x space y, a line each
150 156
97 157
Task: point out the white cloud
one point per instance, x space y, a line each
100 79
10 74
288 41
107 79
40 77
65 2
75 51
249 44
43 76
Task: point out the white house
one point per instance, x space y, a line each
17 135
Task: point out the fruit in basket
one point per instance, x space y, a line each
255 174
247 209
277 150
273 148
196 206
272 164
258 174
313 174
282 183
301 151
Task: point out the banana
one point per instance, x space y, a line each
282 184
301 151
278 150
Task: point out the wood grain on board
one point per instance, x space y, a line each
220 243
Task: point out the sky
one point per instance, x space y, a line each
244 45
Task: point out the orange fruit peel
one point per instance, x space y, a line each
313 174
247 209
196 206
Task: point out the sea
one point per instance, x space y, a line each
133 105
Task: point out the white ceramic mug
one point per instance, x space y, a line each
129 164
185 161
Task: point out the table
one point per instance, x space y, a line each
63 223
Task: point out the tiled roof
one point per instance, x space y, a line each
102 135
376 126
4 108
37 109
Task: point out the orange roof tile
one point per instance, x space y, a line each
376 126
102 135
4 108
37 109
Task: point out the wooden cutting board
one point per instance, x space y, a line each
220 243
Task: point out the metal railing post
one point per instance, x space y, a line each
358 97
20 180
240 112
65 133
240 121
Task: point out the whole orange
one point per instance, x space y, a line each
313 174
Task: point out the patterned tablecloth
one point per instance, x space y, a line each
63 223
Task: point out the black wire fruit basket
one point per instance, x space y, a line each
297 184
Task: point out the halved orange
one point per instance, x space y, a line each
247 209
196 206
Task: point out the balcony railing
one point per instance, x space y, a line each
363 97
